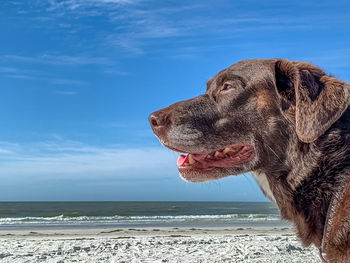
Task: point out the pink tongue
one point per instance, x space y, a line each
182 160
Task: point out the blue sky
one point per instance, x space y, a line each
79 78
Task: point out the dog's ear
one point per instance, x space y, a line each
318 99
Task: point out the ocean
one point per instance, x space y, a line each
58 215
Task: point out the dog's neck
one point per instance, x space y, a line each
305 197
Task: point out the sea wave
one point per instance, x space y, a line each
61 219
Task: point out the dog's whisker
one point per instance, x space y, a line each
274 153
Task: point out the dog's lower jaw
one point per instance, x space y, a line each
204 175
196 176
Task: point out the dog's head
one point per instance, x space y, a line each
249 116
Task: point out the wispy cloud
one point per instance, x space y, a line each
113 71
51 80
18 71
58 60
23 63
61 81
65 92
76 4
71 159
137 27
337 59
138 30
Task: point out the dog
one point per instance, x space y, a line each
288 123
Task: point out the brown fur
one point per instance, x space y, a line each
337 240
263 100
297 118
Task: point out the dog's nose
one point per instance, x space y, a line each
158 120
153 120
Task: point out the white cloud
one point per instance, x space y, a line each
65 92
60 81
59 60
102 64
42 75
132 27
69 159
337 59
79 4
18 71
113 71
138 25
52 80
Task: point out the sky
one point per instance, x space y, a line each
80 77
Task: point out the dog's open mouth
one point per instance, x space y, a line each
230 156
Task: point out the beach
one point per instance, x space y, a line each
150 244
60 232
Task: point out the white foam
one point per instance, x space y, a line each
135 219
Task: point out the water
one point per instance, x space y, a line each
29 215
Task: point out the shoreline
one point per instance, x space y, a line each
141 231
155 244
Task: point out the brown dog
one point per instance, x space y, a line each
287 122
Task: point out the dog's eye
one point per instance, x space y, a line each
227 87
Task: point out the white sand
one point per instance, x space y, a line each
155 245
